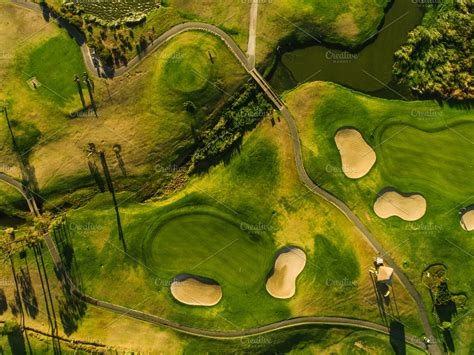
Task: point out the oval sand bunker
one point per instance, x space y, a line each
467 219
409 207
288 265
196 291
356 155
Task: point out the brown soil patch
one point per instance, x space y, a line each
346 27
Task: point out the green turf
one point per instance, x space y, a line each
54 65
441 160
184 240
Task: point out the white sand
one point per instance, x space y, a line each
356 155
196 293
467 220
288 265
408 208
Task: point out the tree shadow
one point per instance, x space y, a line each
28 294
397 337
16 341
71 308
3 302
96 175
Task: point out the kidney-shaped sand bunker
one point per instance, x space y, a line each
467 219
289 263
409 207
195 290
357 156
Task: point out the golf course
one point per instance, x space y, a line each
171 182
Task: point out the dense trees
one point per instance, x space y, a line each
243 114
437 59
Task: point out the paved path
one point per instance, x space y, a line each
252 32
234 48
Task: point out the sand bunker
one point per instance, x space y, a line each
356 155
196 291
409 207
467 220
288 265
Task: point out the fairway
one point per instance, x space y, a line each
440 160
186 238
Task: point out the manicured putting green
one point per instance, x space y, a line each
438 159
187 69
209 244
54 65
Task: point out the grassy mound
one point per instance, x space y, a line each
185 75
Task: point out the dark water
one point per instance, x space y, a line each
368 70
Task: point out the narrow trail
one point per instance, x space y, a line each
434 347
252 43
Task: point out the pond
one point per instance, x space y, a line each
368 70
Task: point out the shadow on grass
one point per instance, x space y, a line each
397 338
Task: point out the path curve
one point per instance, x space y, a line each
303 175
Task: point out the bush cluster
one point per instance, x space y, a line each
243 114
437 59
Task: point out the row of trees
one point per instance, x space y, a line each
436 61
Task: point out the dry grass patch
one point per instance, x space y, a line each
346 26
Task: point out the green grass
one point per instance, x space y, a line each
421 147
441 158
335 261
185 75
54 65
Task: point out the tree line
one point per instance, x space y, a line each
436 61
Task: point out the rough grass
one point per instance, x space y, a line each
421 147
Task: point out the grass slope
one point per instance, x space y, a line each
421 147
146 115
